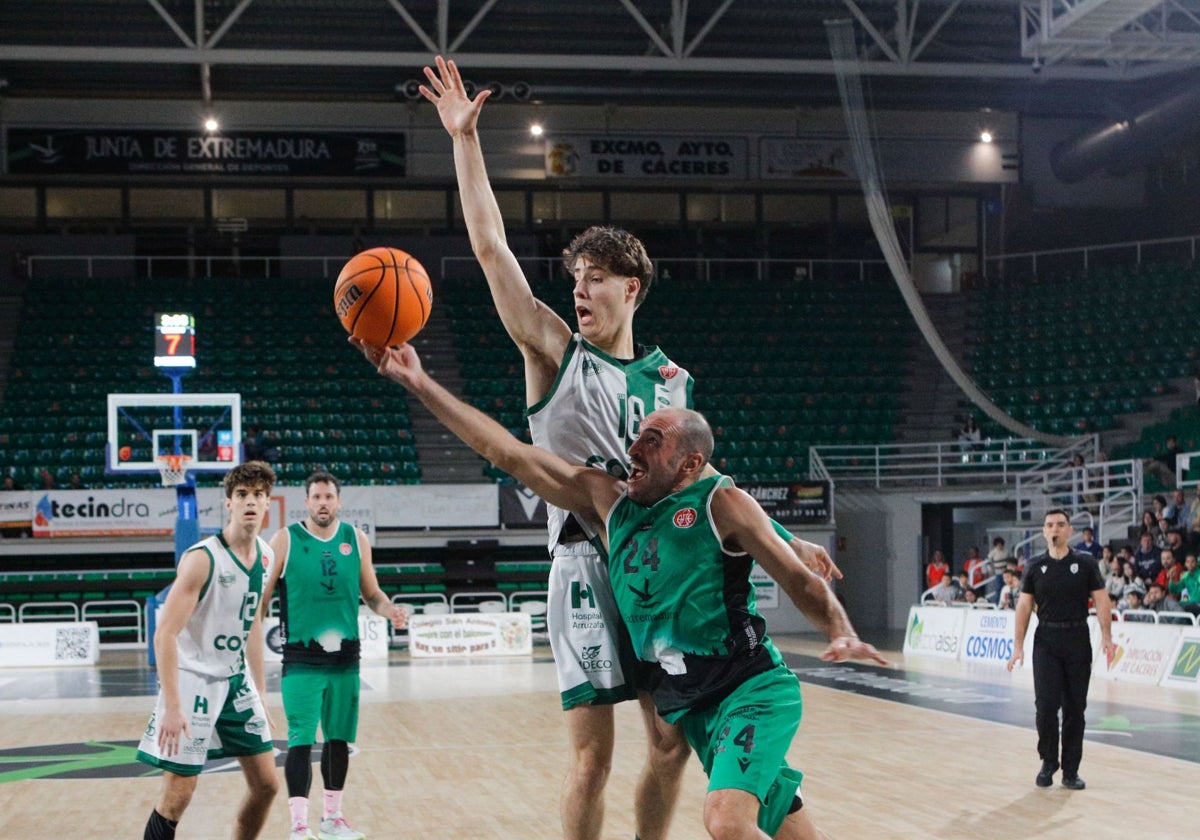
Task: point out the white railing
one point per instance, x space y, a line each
328 266
699 268
1174 249
941 463
173 266
1105 496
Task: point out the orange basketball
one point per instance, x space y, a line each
383 296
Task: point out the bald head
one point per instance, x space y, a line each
695 435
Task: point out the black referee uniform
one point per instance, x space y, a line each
1062 652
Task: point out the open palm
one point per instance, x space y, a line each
459 112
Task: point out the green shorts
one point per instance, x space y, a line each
315 694
743 742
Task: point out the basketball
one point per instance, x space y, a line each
125 453
383 296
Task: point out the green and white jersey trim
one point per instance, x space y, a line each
594 409
213 640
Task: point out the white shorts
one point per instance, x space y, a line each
226 718
591 648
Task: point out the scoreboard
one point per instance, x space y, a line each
174 340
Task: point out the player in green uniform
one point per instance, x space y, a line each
322 566
587 389
679 548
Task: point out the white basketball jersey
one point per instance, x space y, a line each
594 409
214 639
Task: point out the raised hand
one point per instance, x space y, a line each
459 112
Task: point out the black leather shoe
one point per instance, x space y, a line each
1046 777
1072 782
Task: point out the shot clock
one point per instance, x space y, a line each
174 340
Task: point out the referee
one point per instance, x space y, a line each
1059 582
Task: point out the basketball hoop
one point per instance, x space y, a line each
173 469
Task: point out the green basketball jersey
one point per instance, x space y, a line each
318 596
688 603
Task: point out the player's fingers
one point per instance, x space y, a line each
434 81
428 94
454 76
834 571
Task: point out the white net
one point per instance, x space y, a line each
173 469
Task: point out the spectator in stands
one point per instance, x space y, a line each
969 437
11 483
1171 571
946 591
1115 580
252 448
978 570
997 559
76 482
1019 559
47 479
1158 600
1147 559
1189 586
1176 508
1191 522
961 584
1162 465
936 569
1010 591
1132 597
1150 528
1106 558
1175 545
973 596
1089 544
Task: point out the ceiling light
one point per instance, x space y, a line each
536 130
985 136
211 124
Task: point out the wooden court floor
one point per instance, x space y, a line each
451 750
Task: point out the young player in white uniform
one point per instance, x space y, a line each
590 416
612 276
208 647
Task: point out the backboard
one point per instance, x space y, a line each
207 427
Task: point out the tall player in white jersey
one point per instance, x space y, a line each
209 705
587 392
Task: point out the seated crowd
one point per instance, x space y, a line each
1160 573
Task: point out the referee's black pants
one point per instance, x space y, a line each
1062 668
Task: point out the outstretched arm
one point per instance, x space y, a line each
810 554
743 526
537 330
582 490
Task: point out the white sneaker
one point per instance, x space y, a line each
335 827
300 832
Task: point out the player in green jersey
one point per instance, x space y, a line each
322 565
679 548
587 390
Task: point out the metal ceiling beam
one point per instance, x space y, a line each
1110 30
171 22
513 61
